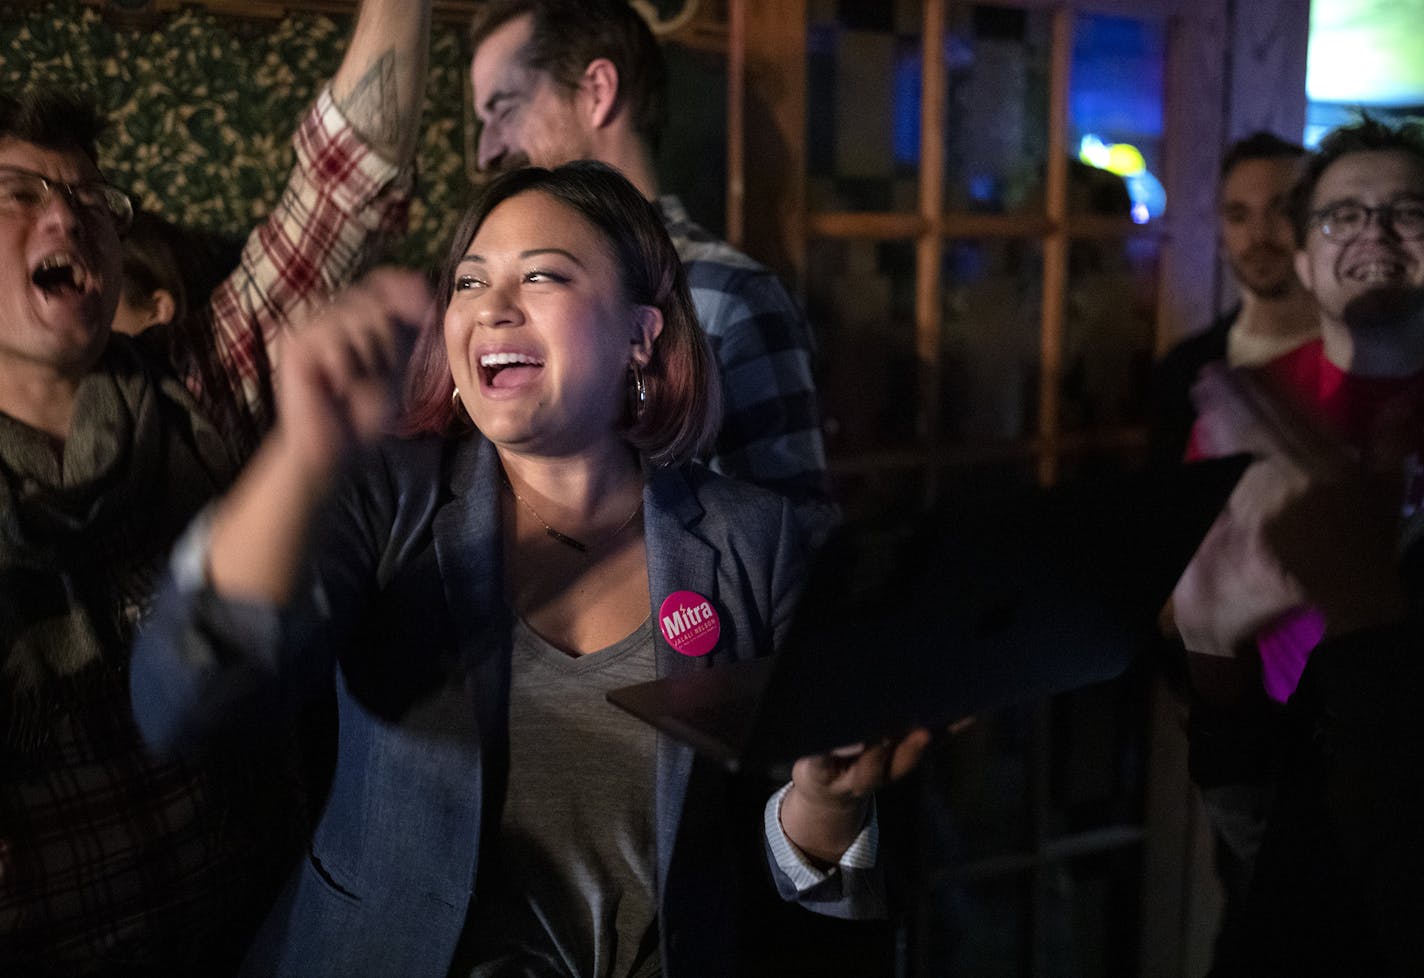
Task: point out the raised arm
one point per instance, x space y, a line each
348 192
256 604
380 86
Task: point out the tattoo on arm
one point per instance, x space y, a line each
373 105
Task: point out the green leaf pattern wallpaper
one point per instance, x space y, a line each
202 109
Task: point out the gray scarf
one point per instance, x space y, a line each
83 538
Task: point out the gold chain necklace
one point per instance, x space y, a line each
564 538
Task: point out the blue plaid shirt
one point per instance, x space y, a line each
771 420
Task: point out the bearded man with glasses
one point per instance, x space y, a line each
1302 609
114 862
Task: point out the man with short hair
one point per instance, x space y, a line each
560 80
1359 218
113 862
1275 314
1297 608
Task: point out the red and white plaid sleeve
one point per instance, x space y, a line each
342 199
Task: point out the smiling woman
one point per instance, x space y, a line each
607 255
521 316
479 590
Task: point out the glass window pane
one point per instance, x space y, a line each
983 779
1094 915
981 929
1096 765
996 118
1109 331
1115 116
692 153
992 309
863 105
861 298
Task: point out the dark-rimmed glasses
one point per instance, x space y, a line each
1343 223
27 193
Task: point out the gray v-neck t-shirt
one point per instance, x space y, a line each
568 889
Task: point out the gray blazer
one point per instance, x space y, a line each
408 617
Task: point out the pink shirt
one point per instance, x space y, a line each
1366 413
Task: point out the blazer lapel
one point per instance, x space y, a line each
678 560
468 548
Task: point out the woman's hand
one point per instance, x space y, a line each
336 389
830 793
337 380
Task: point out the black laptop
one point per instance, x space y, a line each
989 600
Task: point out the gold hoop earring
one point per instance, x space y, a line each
458 406
637 391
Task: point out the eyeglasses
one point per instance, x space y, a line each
1343 223
27 193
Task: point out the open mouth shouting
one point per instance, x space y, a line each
62 275
508 369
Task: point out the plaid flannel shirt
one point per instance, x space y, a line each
771 418
341 200
114 862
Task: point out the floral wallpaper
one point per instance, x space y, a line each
202 109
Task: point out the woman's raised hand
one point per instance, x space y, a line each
337 381
336 388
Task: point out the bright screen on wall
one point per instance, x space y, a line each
1366 53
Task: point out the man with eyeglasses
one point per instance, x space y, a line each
1300 607
1361 255
114 862
27 193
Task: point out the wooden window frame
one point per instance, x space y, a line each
768 56
769 217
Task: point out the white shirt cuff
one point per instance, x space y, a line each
803 874
189 560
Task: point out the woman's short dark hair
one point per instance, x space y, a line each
683 405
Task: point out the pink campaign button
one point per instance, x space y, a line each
689 623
